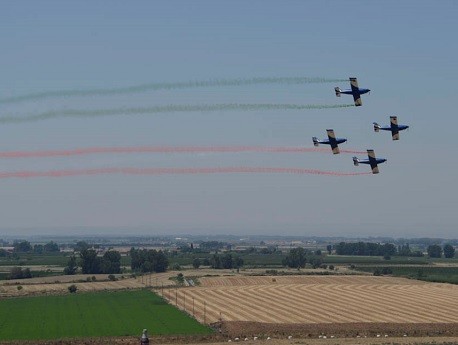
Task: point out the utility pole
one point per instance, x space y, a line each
193 306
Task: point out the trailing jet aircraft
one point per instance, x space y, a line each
355 91
394 127
372 161
332 140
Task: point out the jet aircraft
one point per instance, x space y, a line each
372 161
332 140
393 127
355 91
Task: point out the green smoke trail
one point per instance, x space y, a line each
172 108
167 86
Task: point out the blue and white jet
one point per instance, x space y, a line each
393 127
355 91
372 161
332 140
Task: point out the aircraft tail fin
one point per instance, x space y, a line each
355 161
338 91
315 141
376 127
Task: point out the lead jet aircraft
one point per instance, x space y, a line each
393 127
332 140
355 91
372 161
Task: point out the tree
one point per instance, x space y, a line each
296 258
81 245
226 261
329 249
51 247
19 273
16 273
72 288
72 266
90 263
111 262
26 273
434 251
196 263
22 246
316 261
215 261
449 251
38 248
148 260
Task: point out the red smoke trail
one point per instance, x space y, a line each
166 149
173 171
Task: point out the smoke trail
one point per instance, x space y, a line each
166 150
172 108
168 86
173 171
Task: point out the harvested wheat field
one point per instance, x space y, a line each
319 300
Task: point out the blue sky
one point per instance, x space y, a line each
405 52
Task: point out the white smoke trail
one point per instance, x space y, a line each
172 108
167 86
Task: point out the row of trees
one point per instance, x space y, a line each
91 263
435 251
388 249
26 247
298 257
148 260
227 261
365 248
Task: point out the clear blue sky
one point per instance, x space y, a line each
405 52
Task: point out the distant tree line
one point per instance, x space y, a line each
91 263
298 258
435 251
143 260
389 249
227 261
26 247
365 248
20 273
213 246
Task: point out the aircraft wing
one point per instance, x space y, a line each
374 168
332 141
355 92
394 127
372 161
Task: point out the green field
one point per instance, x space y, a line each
58 259
427 273
122 313
355 259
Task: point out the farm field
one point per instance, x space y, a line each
437 273
318 299
122 313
